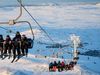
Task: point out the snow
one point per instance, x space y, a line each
32 67
59 22
23 66
98 4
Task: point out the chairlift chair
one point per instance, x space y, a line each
30 43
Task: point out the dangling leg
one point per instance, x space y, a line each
14 54
9 51
5 51
19 53
26 50
22 50
2 50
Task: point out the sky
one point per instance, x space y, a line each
39 2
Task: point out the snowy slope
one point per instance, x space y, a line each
83 20
37 66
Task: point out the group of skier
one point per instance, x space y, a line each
61 66
18 46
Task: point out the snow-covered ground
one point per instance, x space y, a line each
60 22
39 66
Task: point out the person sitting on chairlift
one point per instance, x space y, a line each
17 45
7 46
24 45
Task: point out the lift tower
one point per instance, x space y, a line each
75 43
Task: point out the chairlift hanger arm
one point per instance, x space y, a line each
36 21
16 17
13 21
20 11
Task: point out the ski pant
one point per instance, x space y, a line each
24 49
16 49
7 48
1 50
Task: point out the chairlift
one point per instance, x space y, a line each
30 40
15 21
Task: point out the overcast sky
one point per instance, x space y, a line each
36 2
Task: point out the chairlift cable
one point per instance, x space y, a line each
7 29
36 22
3 28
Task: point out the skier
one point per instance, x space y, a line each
62 65
50 66
59 66
55 66
7 46
24 45
16 46
1 45
66 67
55 63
